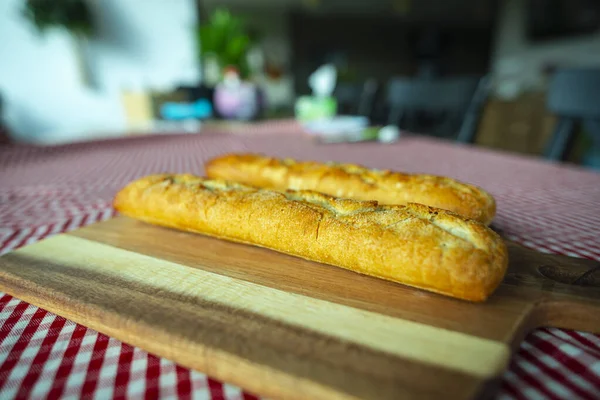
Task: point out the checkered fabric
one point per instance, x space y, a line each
48 190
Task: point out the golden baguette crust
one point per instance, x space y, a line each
355 182
415 245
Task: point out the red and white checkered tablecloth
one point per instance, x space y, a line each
47 190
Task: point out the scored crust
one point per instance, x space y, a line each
416 245
355 182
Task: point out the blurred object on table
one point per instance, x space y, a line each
309 108
322 82
574 97
336 125
137 104
383 134
321 105
199 109
237 99
180 110
183 103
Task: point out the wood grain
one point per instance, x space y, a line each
284 327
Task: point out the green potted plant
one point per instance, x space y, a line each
224 46
73 16
224 43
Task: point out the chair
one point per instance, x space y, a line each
356 99
4 134
574 97
456 102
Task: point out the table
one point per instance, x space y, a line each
47 190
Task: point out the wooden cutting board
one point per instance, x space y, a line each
288 328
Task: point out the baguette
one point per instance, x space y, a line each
415 245
355 182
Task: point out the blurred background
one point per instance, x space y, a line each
521 76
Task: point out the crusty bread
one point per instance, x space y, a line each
355 182
415 245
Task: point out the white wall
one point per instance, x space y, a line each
142 43
518 64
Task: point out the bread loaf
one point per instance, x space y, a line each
415 245
355 182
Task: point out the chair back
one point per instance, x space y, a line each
574 96
575 93
451 101
354 98
447 94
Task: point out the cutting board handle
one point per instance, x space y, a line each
568 288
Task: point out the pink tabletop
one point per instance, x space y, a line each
44 191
